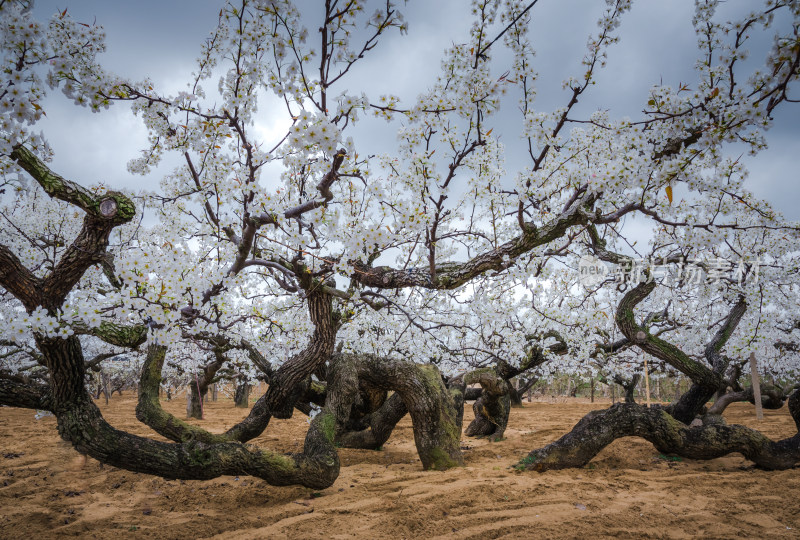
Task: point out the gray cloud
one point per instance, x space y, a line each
162 39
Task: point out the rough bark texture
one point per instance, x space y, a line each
598 429
127 336
286 383
80 422
772 397
471 394
437 429
376 427
515 396
30 395
691 403
492 407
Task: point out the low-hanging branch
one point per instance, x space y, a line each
708 441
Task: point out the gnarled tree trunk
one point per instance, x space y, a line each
80 422
492 407
708 441
376 427
286 383
436 420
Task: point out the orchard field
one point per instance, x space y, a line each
379 226
628 491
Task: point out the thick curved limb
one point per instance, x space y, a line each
772 397
286 384
379 426
80 422
492 408
598 429
14 393
150 412
437 430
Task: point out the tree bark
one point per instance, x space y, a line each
437 429
471 394
377 426
598 429
80 422
29 395
150 412
514 395
286 383
493 407
772 397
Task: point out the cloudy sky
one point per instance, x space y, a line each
160 40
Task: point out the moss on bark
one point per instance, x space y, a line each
436 423
598 429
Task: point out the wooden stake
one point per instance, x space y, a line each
647 382
756 386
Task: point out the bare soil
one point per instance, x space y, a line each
49 490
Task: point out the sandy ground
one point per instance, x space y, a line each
48 490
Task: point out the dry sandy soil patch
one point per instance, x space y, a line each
49 490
